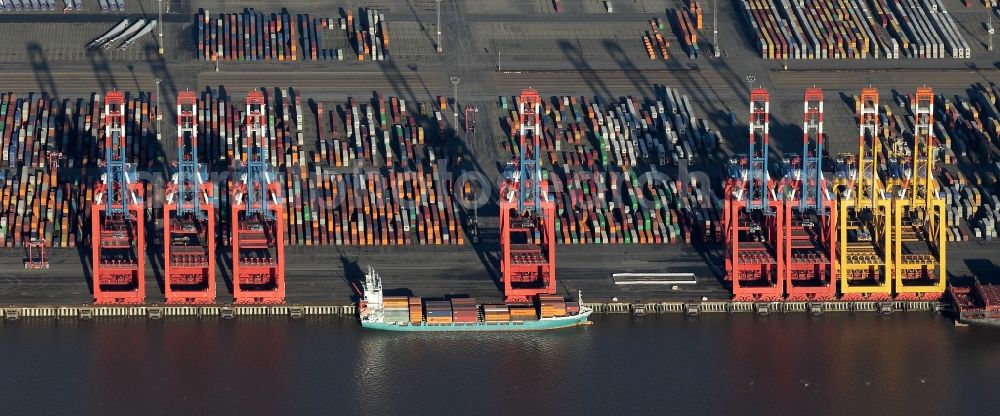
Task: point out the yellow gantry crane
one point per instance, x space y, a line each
918 231
865 256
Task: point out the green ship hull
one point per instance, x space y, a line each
539 325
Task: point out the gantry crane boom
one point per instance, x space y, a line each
118 237
190 173
868 185
257 213
814 190
923 187
189 217
527 216
528 198
756 177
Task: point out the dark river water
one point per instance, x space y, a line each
910 364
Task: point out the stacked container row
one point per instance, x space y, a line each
110 5
247 36
655 40
311 29
968 130
408 204
605 165
687 32
924 27
847 29
29 5
368 34
50 152
371 209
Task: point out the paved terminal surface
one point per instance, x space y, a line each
496 48
321 275
324 274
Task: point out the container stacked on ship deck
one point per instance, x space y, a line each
607 164
396 309
416 308
572 307
496 313
551 306
520 312
464 310
438 312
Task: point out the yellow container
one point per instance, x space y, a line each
439 320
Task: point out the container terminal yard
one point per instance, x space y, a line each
849 161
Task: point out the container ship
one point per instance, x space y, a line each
408 313
976 304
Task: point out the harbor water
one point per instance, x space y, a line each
906 363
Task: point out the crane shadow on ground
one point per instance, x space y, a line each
985 269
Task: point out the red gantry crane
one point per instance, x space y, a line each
527 232
257 218
753 216
118 235
809 236
189 217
